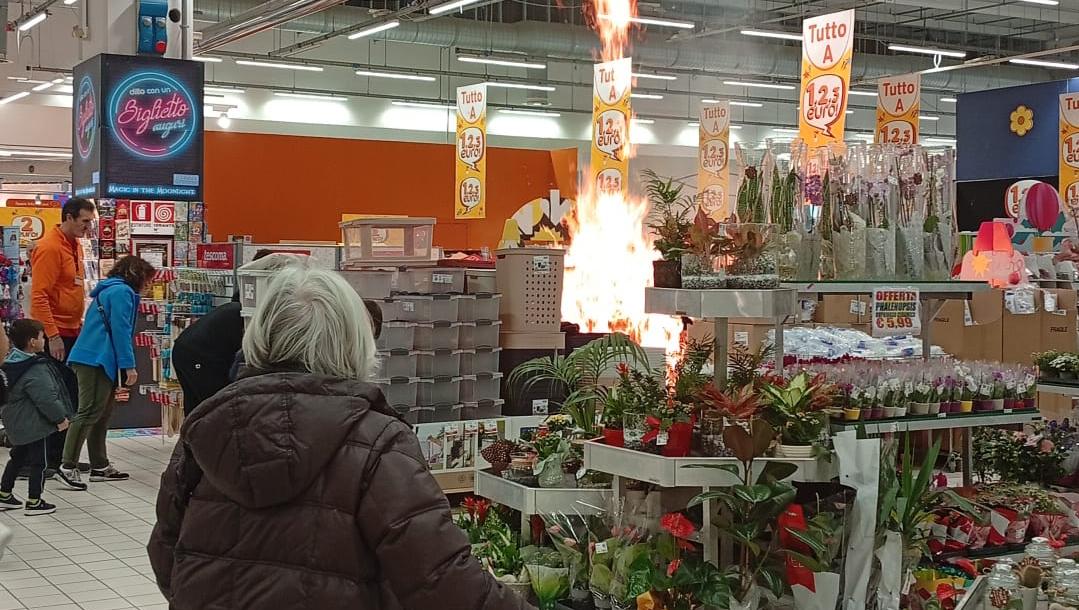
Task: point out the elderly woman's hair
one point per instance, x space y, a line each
313 320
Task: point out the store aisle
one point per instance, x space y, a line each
90 554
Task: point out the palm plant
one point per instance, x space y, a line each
578 376
669 217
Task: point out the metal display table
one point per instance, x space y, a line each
539 500
952 421
1065 389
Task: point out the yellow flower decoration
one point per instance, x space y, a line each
1022 120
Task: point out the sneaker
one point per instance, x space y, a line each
71 479
40 507
108 474
10 502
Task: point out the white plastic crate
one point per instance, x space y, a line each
480 360
371 284
401 392
477 307
483 333
439 391
397 363
252 284
396 336
481 387
381 241
437 413
432 280
438 335
427 308
480 281
439 363
486 409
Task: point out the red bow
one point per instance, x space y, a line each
653 424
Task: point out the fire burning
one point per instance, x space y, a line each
609 261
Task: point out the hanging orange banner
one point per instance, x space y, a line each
898 104
471 182
827 48
713 167
1069 152
611 85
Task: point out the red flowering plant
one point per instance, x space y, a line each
474 517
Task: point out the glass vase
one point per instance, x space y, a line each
634 427
748 255
712 444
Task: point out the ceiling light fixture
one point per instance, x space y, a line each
669 23
57 81
222 90
395 75
282 66
499 61
928 118
650 76
948 100
785 130
374 29
736 126
941 140
862 93
311 96
541 113
206 59
13 97
520 86
426 105
742 83
850 112
747 104
33 20
770 34
643 121
223 121
41 87
69 2
1042 2
646 96
36 153
927 51
450 6
1044 64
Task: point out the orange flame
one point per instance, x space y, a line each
612 21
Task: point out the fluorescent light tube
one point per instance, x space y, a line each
785 130
1044 64
69 2
1042 2
670 23
769 34
41 87
747 104
941 140
927 51
521 86
206 59
928 118
311 96
32 21
270 64
13 97
649 76
35 153
426 105
643 121
395 75
450 6
222 90
736 126
499 61
57 81
529 112
949 100
646 96
742 83
862 93
374 29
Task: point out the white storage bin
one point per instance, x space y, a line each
396 336
477 307
371 284
438 335
396 363
389 309
252 284
439 363
483 333
487 409
410 415
427 308
433 280
439 391
480 281
481 387
382 241
480 360
438 413
401 392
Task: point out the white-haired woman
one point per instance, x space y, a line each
297 487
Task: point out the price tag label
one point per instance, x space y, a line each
662 438
249 292
539 406
896 311
441 278
601 548
408 306
541 264
1007 411
941 415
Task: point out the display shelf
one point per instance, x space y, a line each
950 421
686 472
538 501
710 304
1065 389
927 290
1015 552
975 597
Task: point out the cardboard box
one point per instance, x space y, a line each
971 330
843 309
1027 334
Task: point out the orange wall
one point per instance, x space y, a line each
277 187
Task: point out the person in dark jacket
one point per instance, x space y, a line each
298 487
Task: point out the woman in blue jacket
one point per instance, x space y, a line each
104 351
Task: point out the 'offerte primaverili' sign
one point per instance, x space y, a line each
610 126
898 104
1069 151
896 311
471 182
713 174
827 48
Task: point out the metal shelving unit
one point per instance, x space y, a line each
951 421
1058 388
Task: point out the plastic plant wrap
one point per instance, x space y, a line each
877 202
910 231
811 209
549 584
750 201
783 197
940 215
848 227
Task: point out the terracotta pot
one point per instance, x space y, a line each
615 437
667 274
966 406
679 439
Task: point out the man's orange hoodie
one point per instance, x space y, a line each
57 295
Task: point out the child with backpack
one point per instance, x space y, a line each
39 402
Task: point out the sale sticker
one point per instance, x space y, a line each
1069 152
827 49
471 183
898 105
713 173
896 311
609 168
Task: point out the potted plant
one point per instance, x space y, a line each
799 409
922 399
818 548
552 450
670 221
1044 362
1065 366
717 408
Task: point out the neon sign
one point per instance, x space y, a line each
86 117
153 115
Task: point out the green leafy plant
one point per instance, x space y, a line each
824 537
669 217
799 408
689 376
578 376
1017 457
745 365
549 584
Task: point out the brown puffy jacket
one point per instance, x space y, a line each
292 490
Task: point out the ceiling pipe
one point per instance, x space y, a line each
262 16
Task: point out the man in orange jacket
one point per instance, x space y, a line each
57 295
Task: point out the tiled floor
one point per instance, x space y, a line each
90 554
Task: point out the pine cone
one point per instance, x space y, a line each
499 452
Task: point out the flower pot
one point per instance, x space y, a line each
934 408
1009 403
667 274
634 427
1068 375
752 600
919 408
794 451
954 406
712 444
877 412
615 437
523 589
600 601
900 411
982 404
851 414
966 406
1027 403
679 439
889 412
1029 595
996 404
